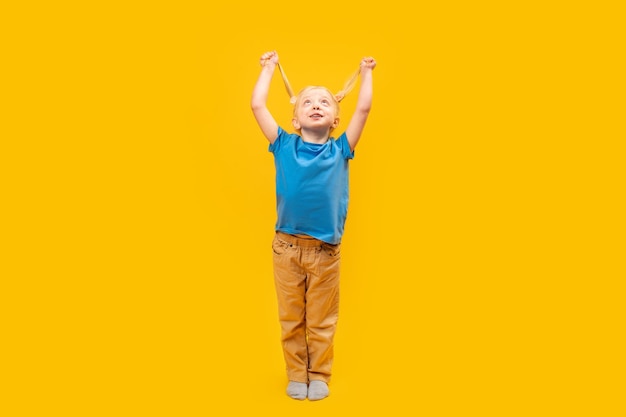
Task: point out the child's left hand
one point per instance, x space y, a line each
368 62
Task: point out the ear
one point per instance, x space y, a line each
295 123
336 122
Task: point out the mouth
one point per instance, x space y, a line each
316 116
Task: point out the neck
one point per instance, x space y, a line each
314 136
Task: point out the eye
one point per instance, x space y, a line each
325 102
307 102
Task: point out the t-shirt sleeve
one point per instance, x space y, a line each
275 147
344 145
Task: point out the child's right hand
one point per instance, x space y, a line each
368 62
269 58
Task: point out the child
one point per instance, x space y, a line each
312 203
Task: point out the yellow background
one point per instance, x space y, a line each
483 260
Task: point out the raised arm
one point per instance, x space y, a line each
363 104
264 118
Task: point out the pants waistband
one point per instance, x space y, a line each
302 240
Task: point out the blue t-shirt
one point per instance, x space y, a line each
311 186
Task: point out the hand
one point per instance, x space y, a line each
269 58
368 62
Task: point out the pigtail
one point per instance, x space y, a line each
292 96
348 86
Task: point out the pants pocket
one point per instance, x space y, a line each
279 246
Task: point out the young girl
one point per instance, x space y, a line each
312 203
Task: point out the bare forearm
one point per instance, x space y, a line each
364 101
262 87
264 118
363 104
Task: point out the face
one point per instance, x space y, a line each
316 109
